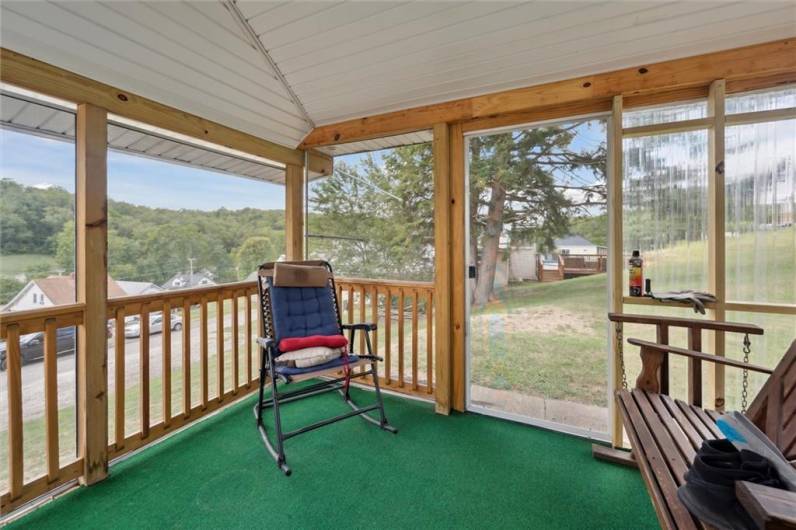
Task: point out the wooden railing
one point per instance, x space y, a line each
583 263
13 326
207 315
234 298
404 314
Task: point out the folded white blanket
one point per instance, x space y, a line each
307 357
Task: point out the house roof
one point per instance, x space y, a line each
61 289
572 241
275 69
132 288
200 277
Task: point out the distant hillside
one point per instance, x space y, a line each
145 243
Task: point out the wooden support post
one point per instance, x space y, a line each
716 233
442 267
615 260
294 212
91 199
459 281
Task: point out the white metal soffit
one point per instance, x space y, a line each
43 118
376 144
352 59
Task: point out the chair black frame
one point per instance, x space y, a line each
268 354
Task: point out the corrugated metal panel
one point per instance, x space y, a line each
23 114
378 143
349 59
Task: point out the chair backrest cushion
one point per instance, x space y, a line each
303 311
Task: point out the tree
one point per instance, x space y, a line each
377 217
526 185
9 287
254 251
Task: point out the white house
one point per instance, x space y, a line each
50 291
186 280
576 245
133 288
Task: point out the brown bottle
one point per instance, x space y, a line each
636 276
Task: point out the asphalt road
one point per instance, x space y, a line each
33 374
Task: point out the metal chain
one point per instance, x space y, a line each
745 382
620 351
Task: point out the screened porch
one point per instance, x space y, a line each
476 174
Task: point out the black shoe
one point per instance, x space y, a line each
709 490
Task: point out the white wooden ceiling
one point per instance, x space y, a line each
351 59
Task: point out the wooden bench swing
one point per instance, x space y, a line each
665 433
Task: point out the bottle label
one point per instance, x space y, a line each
636 280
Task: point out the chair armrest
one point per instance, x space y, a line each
266 342
665 348
768 507
365 326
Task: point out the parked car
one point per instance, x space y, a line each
133 328
31 346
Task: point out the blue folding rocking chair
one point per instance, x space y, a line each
306 305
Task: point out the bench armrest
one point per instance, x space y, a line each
665 348
768 507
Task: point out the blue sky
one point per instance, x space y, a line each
32 161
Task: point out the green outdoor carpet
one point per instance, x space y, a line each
462 471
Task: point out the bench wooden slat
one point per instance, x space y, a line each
707 420
675 430
658 464
658 500
695 421
666 444
713 414
693 436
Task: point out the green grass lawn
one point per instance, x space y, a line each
550 339
18 263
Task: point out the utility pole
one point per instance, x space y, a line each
190 278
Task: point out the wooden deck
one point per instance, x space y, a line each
571 265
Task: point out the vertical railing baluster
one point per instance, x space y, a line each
118 377
429 342
51 398
695 367
143 370
374 317
362 319
401 301
414 339
186 357
248 326
166 362
387 336
203 351
350 306
235 352
14 374
662 337
220 346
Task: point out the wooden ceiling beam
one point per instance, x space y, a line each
741 67
31 74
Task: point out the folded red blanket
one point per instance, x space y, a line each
299 343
